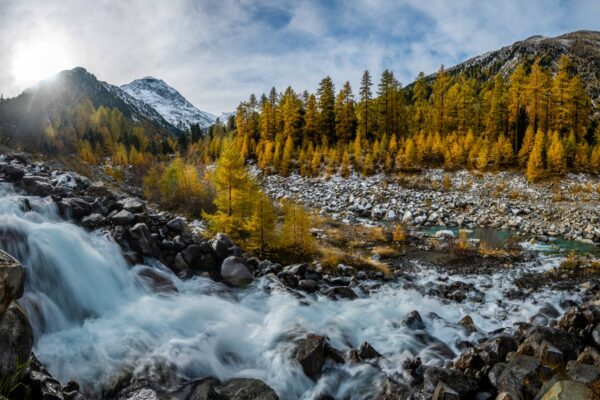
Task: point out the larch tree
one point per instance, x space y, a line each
345 114
261 224
535 163
440 87
556 158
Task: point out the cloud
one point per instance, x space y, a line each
217 52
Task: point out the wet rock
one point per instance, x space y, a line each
123 217
288 279
445 392
568 344
456 380
235 272
41 385
392 390
12 172
596 335
367 352
495 372
246 389
93 221
308 285
74 207
467 323
98 189
158 281
142 239
310 352
550 355
343 292
176 225
523 374
12 280
16 339
497 348
568 390
37 185
413 321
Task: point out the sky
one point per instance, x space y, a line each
217 52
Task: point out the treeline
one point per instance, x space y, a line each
529 119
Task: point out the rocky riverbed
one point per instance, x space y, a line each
569 207
120 300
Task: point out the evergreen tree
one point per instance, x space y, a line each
326 103
364 105
311 120
345 114
440 87
261 224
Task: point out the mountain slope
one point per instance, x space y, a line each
51 101
168 102
582 47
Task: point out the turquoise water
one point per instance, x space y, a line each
501 237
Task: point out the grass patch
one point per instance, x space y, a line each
385 251
331 257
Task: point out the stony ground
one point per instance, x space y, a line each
568 207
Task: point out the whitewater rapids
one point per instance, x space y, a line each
94 316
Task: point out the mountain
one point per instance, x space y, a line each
168 102
58 99
582 47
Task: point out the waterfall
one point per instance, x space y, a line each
94 315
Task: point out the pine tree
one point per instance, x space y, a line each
326 103
535 164
345 114
364 106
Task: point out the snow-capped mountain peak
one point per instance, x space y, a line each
168 102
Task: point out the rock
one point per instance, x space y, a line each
407 218
456 380
568 390
550 355
413 321
497 348
37 185
342 291
308 285
176 225
98 189
310 353
12 172
159 282
123 217
93 221
41 385
467 323
12 280
568 344
16 339
74 207
200 258
523 374
495 373
444 234
142 239
367 352
584 373
221 245
246 389
596 335
444 392
133 205
235 272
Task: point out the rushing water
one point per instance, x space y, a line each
93 315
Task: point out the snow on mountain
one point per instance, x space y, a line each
168 102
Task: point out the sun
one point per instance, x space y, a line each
37 60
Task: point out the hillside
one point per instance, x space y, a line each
582 47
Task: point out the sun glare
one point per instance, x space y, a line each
38 60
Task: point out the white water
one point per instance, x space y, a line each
93 315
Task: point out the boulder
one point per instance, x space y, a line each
200 257
222 245
142 239
497 348
133 204
568 390
37 185
343 292
16 339
367 352
523 375
74 207
98 189
176 225
93 221
308 285
584 373
12 280
246 389
12 172
123 217
310 352
413 320
445 392
235 272
456 380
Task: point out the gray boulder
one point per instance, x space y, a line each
235 272
16 339
123 217
142 239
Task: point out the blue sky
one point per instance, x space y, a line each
217 52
